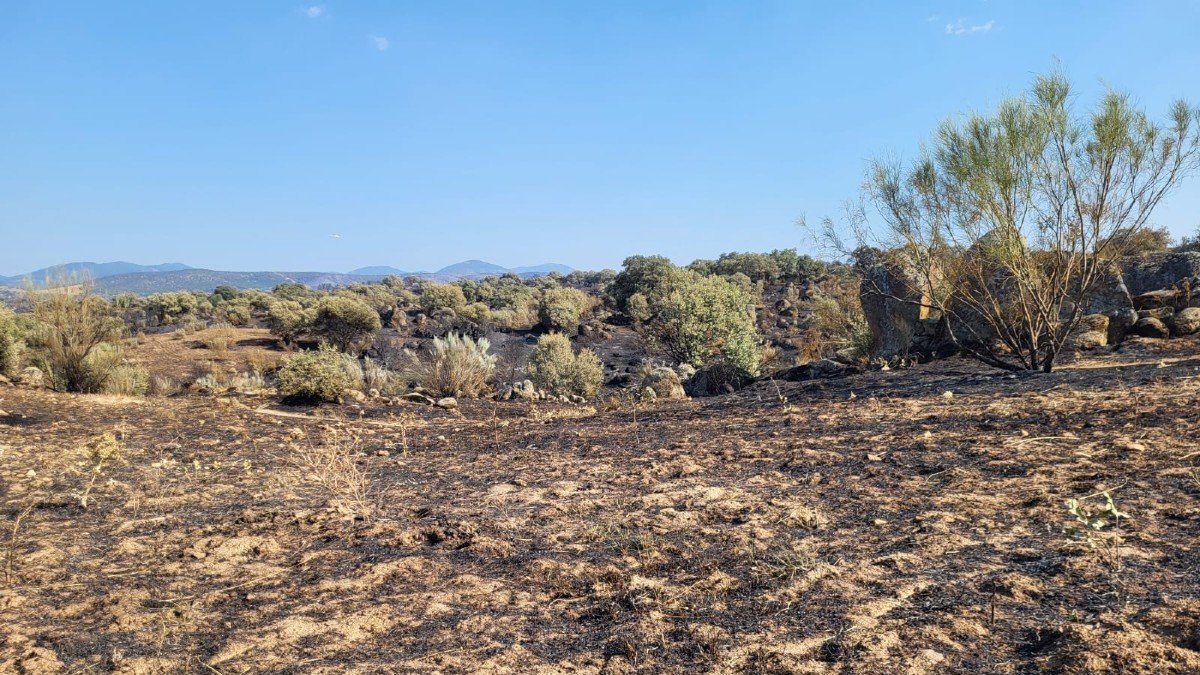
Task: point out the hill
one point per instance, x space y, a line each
90 270
206 280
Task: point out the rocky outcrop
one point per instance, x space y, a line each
1160 271
664 383
892 295
1185 322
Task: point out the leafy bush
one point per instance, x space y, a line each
638 308
702 318
436 296
288 320
313 377
11 343
555 367
458 366
648 275
561 308
69 324
168 309
344 322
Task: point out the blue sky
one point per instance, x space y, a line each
243 135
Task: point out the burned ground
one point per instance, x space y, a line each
903 521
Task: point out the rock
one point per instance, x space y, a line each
1092 332
1151 328
820 369
373 393
1161 313
717 379
32 377
525 391
685 371
648 395
665 383
890 294
1186 321
1110 297
1155 299
354 395
504 394
1159 271
5 382
850 356
447 403
417 397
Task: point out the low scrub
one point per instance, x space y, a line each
557 368
313 377
457 366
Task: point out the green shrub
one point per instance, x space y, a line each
69 323
168 309
288 320
557 368
458 366
435 296
127 379
344 322
703 318
561 308
11 343
638 308
648 275
313 377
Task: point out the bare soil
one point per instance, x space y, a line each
910 521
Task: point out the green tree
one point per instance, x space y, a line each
703 318
344 322
1010 217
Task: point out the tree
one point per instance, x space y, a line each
1010 218
641 274
554 366
561 308
70 323
702 318
344 322
288 320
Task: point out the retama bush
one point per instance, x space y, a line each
313 377
554 366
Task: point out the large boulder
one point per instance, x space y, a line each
1111 298
1186 321
892 294
717 379
815 370
1092 332
664 382
1159 271
1151 328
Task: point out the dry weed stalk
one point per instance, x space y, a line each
100 450
331 463
12 541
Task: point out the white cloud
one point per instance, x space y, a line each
961 27
314 11
381 43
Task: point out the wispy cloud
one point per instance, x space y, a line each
961 27
314 11
381 43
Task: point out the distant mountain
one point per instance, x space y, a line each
90 270
145 283
121 277
544 268
472 268
378 270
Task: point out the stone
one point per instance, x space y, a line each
1151 328
447 403
354 395
891 295
717 379
1160 271
32 377
819 369
417 397
665 383
1163 314
1155 299
525 391
1186 321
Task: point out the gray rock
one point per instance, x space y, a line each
1151 328
665 383
717 379
1186 321
32 377
448 403
888 294
1160 271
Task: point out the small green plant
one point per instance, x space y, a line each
1092 519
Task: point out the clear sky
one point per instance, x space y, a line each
245 134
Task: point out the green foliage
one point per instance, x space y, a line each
68 324
435 296
638 308
648 275
557 368
288 320
313 377
703 318
458 366
561 308
1090 519
12 340
168 309
293 291
771 266
344 322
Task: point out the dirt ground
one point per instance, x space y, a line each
910 521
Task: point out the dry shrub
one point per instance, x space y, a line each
835 322
219 338
458 366
313 377
161 385
331 464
